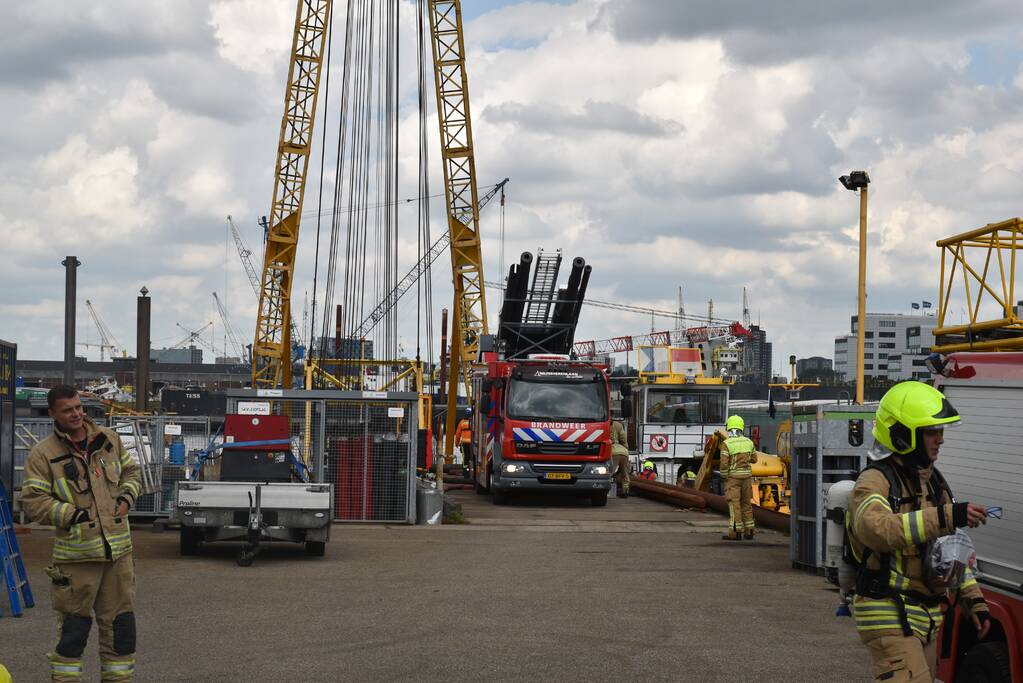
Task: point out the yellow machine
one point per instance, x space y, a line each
771 486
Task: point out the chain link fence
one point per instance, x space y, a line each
362 442
183 437
142 438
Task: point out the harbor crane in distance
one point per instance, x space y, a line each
228 329
193 336
417 271
245 256
271 348
106 337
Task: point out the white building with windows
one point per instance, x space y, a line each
895 347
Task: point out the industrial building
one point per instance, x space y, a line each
805 367
756 357
895 347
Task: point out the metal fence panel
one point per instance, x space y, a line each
183 436
28 431
372 459
364 443
142 438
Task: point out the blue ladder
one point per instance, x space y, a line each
15 579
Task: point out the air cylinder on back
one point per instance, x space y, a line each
839 569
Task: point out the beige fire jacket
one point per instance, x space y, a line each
873 524
60 480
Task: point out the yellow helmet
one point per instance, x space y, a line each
648 464
5 675
735 422
904 410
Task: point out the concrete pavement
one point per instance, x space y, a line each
536 591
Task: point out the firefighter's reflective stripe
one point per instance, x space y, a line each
38 484
131 487
119 670
883 615
58 510
969 579
76 551
120 544
62 670
868 501
913 527
62 490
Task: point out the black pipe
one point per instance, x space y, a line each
70 264
579 303
566 297
142 351
515 292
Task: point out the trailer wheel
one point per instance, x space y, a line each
189 540
599 499
986 663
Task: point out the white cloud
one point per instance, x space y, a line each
667 143
92 194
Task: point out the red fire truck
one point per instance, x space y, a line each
542 424
541 420
983 462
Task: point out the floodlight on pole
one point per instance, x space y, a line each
857 181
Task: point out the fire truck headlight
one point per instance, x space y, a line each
599 469
512 468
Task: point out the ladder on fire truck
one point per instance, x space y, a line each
545 279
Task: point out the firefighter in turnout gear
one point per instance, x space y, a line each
649 471
620 455
81 480
900 503
737 455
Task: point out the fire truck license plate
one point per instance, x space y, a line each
558 475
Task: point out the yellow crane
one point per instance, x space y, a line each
271 350
461 200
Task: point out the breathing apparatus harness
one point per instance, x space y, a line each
882 583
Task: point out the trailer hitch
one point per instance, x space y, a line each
251 547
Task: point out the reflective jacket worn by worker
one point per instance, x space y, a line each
619 442
737 456
876 531
60 479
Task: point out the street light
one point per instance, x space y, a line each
857 181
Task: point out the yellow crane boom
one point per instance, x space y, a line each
470 305
271 350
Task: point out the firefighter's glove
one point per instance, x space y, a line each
80 515
968 514
982 622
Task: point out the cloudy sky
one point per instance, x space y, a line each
670 143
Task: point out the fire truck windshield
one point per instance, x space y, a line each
561 401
